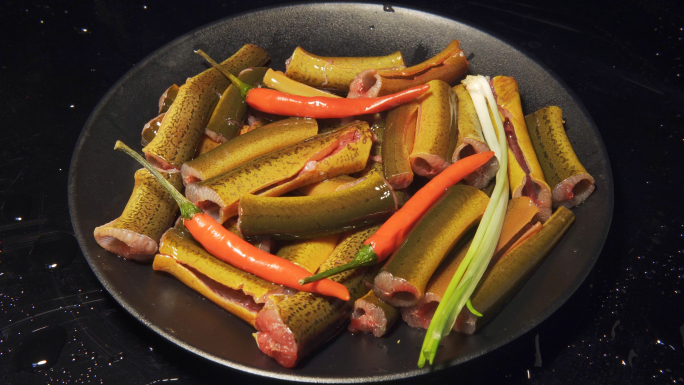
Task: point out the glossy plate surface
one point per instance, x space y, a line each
101 181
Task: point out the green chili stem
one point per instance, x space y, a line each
187 209
364 257
243 87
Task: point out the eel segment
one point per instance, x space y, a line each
149 212
525 174
335 73
367 202
290 328
435 130
448 65
372 315
400 132
253 144
571 183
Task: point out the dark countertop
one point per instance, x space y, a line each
623 60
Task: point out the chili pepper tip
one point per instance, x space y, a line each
364 257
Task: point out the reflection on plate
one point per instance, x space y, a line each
101 180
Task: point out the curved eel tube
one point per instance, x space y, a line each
471 140
505 277
367 202
525 174
337 152
372 315
435 130
253 144
167 98
517 227
448 66
571 183
400 132
311 253
288 328
278 81
236 291
149 212
187 117
403 279
335 73
226 119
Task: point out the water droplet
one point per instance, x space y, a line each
40 349
53 250
17 207
372 27
387 8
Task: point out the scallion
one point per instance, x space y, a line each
479 254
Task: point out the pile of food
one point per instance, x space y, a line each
423 194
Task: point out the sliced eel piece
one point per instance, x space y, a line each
149 212
285 218
402 280
400 133
524 172
501 280
448 66
184 122
337 152
290 328
251 145
372 315
471 140
571 183
335 73
435 130
236 291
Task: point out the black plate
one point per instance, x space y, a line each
101 181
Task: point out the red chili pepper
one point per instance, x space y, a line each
228 247
393 232
319 107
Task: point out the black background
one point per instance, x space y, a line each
622 59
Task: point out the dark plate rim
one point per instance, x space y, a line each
514 334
